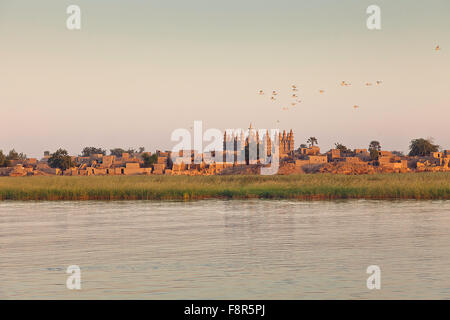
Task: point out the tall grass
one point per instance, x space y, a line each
306 186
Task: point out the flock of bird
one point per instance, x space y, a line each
293 95
295 99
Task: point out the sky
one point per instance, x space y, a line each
137 70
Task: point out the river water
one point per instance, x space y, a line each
221 249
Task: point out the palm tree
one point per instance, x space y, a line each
341 147
312 141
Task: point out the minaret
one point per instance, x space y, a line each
225 141
291 141
279 142
268 144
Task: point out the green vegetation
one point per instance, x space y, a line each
342 148
60 159
422 147
312 141
306 186
88 151
374 149
5 161
118 151
149 160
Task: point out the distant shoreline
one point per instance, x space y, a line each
419 186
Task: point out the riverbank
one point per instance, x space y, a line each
305 186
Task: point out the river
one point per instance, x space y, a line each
225 249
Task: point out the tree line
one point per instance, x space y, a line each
417 147
62 160
5 160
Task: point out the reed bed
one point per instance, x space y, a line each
305 186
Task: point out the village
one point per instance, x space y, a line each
242 153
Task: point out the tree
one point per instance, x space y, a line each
141 149
117 152
46 153
88 151
60 159
398 153
13 155
422 147
149 160
312 141
131 151
374 149
375 145
342 148
4 162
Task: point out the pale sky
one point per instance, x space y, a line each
137 70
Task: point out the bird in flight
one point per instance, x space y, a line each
274 93
437 48
272 98
321 91
379 82
345 84
355 107
368 84
261 92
